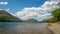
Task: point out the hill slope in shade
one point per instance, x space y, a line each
7 17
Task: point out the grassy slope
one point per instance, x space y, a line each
6 17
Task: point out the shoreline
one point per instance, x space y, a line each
55 28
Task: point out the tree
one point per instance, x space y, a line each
56 14
59 4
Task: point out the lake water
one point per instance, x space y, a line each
23 28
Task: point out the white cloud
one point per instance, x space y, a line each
5 3
54 0
39 13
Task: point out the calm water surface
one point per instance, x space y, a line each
23 28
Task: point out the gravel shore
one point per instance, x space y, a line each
55 27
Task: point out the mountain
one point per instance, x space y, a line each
31 20
7 17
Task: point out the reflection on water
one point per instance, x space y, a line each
24 28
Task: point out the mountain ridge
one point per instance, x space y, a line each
7 17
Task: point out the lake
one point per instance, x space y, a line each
23 28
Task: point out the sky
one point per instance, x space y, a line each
16 5
30 9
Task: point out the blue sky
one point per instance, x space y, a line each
16 5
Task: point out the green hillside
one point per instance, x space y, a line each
56 17
7 17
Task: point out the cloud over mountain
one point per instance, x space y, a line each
39 13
